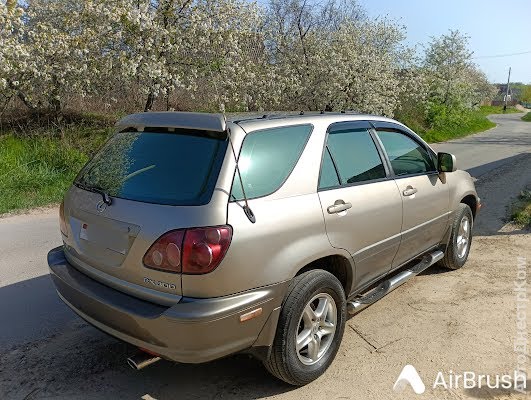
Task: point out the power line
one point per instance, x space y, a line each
504 55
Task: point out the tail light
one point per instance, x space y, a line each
62 219
189 251
165 253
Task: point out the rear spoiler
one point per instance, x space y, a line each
172 119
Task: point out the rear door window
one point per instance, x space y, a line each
267 158
173 168
355 155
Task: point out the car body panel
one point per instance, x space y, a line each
425 215
146 222
370 230
191 331
168 119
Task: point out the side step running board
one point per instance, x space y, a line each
392 283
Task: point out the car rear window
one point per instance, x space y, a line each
267 158
173 168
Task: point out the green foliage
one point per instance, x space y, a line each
35 171
525 95
446 124
457 124
37 168
527 117
454 87
521 213
486 110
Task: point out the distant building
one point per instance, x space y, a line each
499 99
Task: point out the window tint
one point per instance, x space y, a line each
406 155
355 155
165 168
329 176
267 158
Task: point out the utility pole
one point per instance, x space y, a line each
507 91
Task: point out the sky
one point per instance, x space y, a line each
494 27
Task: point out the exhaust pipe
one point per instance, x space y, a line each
142 360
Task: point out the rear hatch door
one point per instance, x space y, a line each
157 181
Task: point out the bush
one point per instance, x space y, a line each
38 165
521 213
35 171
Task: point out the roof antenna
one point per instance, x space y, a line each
248 212
246 209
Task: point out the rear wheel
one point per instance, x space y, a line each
461 237
310 328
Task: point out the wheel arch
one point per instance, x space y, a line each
338 265
471 201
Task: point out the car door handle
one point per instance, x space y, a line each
409 191
338 206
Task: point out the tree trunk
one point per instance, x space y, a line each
25 101
56 105
149 102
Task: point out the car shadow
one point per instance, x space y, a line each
30 310
68 357
480 170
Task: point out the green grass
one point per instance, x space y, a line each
453 126
521 213
486 110
527 117
36 170
474 122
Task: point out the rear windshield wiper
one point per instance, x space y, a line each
106 198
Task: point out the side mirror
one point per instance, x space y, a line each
446 162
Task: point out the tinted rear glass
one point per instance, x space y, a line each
174 168
267 158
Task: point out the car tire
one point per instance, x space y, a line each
460 239
314 303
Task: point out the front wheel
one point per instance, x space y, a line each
461 237
310 328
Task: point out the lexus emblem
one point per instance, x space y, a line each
101 206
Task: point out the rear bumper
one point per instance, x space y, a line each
192 331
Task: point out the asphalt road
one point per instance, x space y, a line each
486 151
31 312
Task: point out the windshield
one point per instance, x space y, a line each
174 168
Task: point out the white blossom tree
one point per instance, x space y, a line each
227 54
454 83
331 57
13 53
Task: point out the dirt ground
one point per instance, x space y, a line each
444 321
